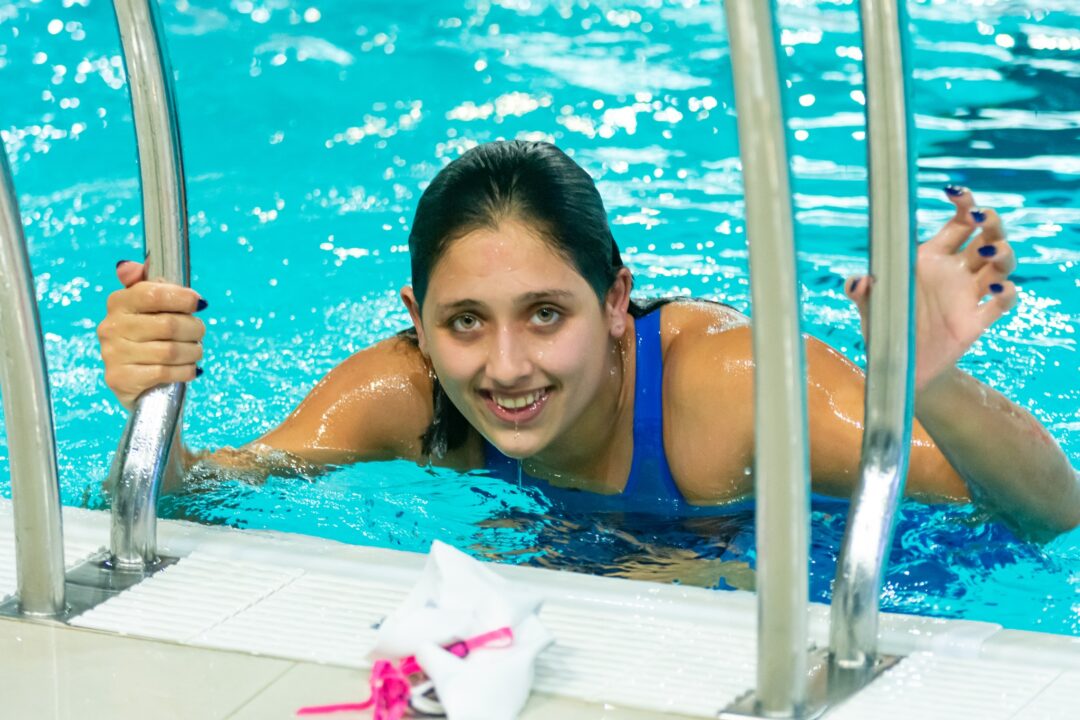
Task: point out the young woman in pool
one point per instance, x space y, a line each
527 347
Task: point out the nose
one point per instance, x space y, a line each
508 362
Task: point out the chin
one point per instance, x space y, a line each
516 445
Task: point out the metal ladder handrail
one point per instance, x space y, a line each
784 687
891 340
781 451
143 455
35 485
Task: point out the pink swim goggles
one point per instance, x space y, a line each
391 690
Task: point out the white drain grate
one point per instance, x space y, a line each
658 663
316 617
187 599
74 553
935 687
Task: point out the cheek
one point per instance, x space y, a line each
454 363
572 352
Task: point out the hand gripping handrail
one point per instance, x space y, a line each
142 457
781 455
890 360
35 488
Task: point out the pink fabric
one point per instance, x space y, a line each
390 687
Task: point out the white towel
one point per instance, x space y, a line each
457 598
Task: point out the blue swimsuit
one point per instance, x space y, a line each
650 487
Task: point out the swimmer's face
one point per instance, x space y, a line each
518 339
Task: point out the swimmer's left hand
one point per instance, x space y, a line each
960 290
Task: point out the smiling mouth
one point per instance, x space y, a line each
517 408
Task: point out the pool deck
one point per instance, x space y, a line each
61 672
256 624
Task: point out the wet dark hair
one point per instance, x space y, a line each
534 182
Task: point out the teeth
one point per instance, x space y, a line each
517 403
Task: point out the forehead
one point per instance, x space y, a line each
512 258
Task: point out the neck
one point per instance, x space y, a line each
594 454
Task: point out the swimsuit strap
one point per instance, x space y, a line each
650 475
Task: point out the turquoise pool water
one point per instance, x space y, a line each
310 129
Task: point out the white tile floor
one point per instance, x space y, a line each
62 673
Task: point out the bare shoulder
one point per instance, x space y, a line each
374 405
698 317
708 400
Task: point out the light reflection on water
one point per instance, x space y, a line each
311 130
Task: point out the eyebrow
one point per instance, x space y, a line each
525 299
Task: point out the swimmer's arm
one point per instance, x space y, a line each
711 458
373 406
835 395
1007 457
966 437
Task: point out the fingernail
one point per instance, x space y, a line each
121 262
996 288
198 371
988 251
201 305
853 284
978 215
954 190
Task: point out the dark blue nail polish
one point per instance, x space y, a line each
954 190
978 215
121 262
988 251
201 305
996 288
853 284
198 371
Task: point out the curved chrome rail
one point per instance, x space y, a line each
890 365
35 487
138 470
781 455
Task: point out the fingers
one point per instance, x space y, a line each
172 327
149 336
158 352
128 382
155 297
990 247
957 231
1002 299
857 288
129 272
999 256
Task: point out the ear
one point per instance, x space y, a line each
617 302
409 298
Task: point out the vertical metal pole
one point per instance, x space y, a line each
35 487
144 448
157 130
890 356
781 455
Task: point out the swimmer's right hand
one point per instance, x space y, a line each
149 336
